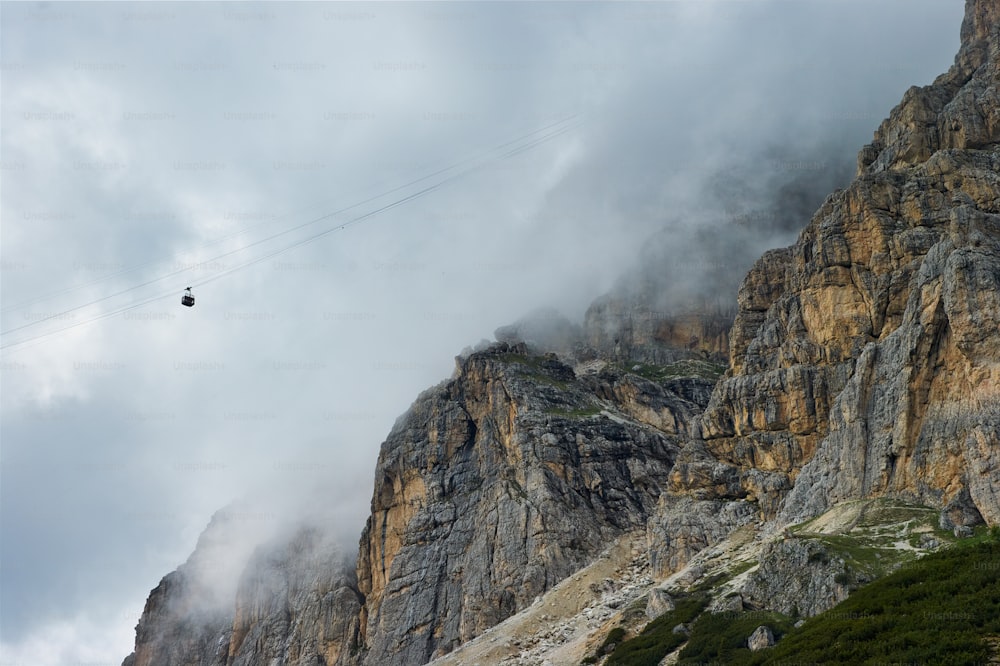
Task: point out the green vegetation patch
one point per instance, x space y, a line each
542 378
658 639
713 581
692 367
865 557
742 567
939 609
538 362
538 368
868 545
936 610
722 637
576 413
610 641
615 636
636 610
720 578
881 512
879 518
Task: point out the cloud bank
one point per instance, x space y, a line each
141 141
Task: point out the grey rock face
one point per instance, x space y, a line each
173 631
498 484
659 602
298 602
762 638
188 617
682 526
904 426
494 486
671 406
796 577
731 603
865 359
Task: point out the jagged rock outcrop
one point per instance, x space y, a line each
492 488
866 357
498 484
297 601
681 527
626 327
174 629
659 602
188 617
797 577
670 405
761 638
918 416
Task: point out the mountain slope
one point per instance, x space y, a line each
865 358
492 488
497 485
864 362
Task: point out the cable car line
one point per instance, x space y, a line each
103 315
410 197
375 212
216 241
325 232
222 274
307 223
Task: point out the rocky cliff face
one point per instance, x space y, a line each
188 616
296 601
630 328
492 488
918 416
796 578
864 361
500 483
865 358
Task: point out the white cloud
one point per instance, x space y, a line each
92 639
121 438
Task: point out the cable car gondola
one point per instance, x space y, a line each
188 298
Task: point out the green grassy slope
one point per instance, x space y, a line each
937 610
943 608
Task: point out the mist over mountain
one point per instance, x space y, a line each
682 289
683 452
758 202
152 140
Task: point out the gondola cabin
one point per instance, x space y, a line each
188 298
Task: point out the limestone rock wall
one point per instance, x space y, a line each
630 327
297 601
496 486
865 358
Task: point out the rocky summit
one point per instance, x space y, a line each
865 358
857 381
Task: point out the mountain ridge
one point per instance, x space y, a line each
863 364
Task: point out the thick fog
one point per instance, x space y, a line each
147 141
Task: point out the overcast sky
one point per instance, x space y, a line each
146 140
